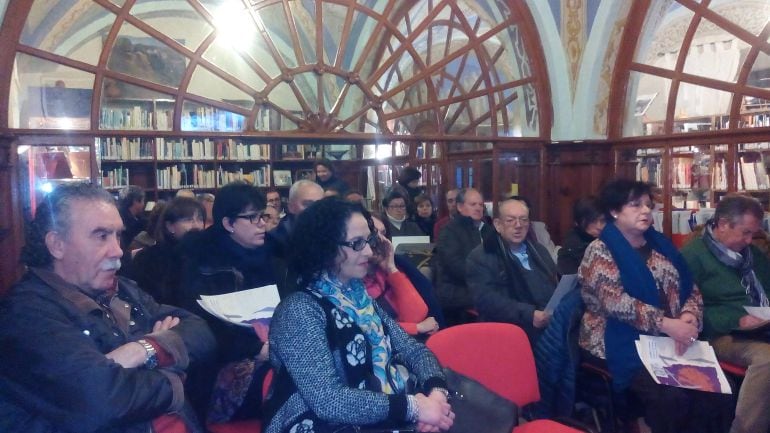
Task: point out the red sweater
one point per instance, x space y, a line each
402 297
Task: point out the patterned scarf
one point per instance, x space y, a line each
357 304
743 262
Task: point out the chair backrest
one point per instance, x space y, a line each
498 355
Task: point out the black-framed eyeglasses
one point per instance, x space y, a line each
256 217
360 243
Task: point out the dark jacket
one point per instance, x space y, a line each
54 376
500 288
334 183
455 242
426 224
215 265
571 253
132 227
557 356
157 269
281 234
408 228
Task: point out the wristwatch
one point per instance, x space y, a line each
151 361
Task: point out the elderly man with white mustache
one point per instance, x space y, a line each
84 350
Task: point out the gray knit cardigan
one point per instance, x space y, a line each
299 343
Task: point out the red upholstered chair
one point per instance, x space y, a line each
245 426
499 356
733 369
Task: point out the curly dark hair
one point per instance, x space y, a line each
234 198
314 243
54 214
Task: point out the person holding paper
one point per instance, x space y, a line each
634 282
340 360
511 277
733 274
231 256
83 349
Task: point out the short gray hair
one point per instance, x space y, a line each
734 206
55 214
298 185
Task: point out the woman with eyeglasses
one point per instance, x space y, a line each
341 362
396 223
635 282
231 256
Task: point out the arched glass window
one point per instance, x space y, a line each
451 68
699 66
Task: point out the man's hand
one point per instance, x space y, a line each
540 319
129 355
165 324
748 321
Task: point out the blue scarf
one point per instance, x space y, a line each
622 359
356 303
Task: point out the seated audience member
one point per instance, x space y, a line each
538 231
408 184
148 237
301 195
228 257
589 222
512 278
131 207
207 200
157 269
187 193
396 223
327 178
393 290
274 219
274 201
425 216
731 273
633 282
84 350
354 196
333 349
463 233
451 205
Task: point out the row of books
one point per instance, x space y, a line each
185 176
124 148
649 170
212 119
115 178
237 150
753 175
136 118
184 149
258 177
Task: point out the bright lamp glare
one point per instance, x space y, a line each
46 187
232 23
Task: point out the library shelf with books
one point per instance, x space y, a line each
137 114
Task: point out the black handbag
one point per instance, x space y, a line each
476 408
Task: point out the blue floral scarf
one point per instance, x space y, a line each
356 303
